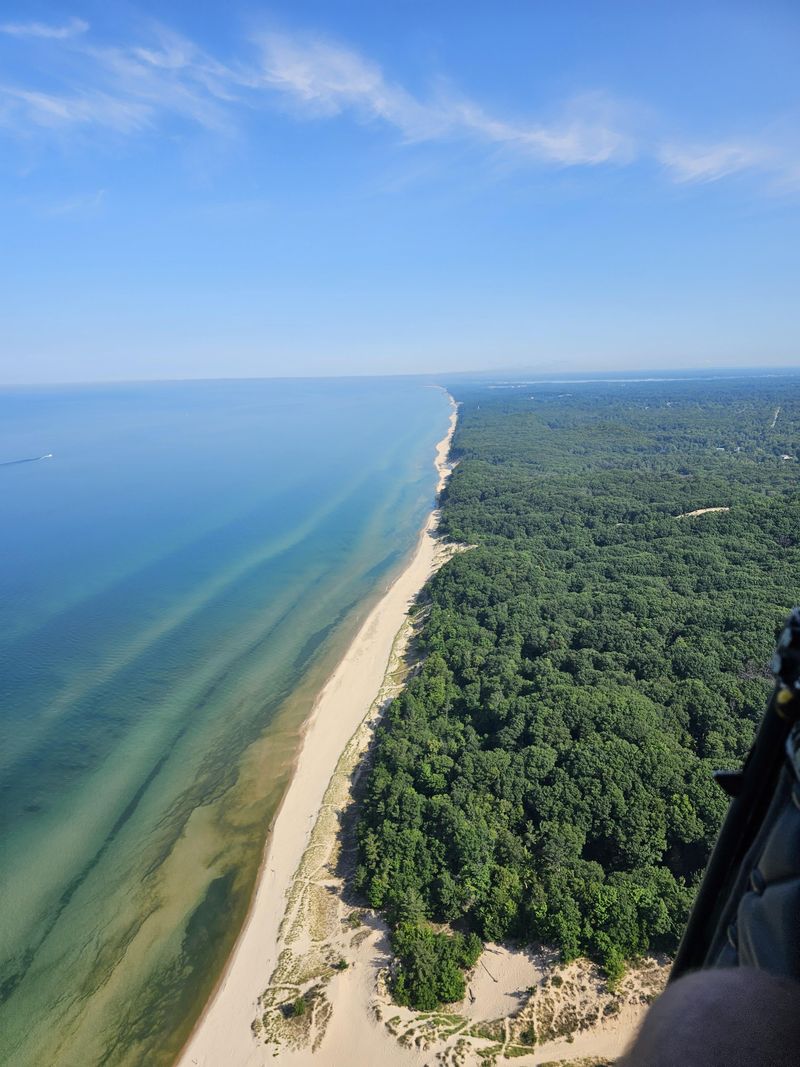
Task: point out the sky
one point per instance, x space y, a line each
196 189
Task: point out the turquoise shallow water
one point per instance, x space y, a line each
174 584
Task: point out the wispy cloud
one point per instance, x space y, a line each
49 110
171 78
127 88
84 204
133 88
585 131
71 28
709 163
328 79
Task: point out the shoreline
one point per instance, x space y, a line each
222 1033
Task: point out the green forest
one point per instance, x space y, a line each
546 776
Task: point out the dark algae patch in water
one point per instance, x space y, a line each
148 1035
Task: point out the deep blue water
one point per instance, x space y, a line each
174 582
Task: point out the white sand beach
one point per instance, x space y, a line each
223 1034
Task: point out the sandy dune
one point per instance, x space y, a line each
699 511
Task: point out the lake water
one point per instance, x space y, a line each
175 583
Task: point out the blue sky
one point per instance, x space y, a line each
200 190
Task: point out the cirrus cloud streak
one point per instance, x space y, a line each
134 88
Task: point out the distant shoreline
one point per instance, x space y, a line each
222 1034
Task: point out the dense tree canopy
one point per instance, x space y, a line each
547 773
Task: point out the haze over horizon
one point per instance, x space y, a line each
515 376
350 188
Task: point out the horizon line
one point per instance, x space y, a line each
510 372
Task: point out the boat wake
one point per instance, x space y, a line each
29 459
